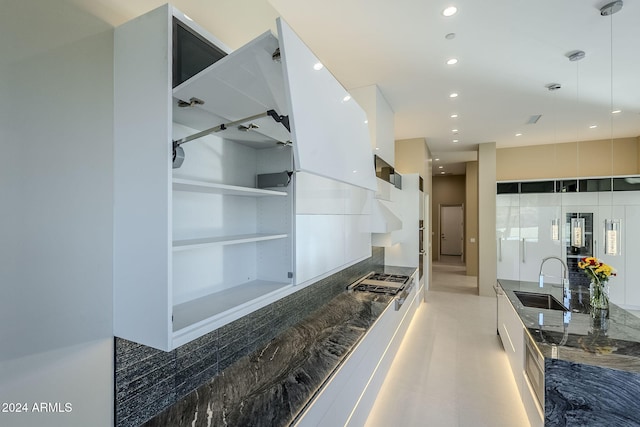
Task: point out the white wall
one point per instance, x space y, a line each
56 119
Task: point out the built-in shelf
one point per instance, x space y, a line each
181 245
211 308
180 184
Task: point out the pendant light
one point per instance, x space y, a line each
555 222
612 227
577 230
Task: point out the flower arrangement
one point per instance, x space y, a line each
596 270
599 273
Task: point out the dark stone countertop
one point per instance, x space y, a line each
272 386
611 341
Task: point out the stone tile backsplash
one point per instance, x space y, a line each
148 381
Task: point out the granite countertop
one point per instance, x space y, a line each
271 386
611 341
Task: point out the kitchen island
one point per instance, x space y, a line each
591 360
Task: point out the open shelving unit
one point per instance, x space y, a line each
199 245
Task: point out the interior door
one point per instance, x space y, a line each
451 226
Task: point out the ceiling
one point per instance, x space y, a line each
507 51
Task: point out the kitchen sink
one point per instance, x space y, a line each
535 300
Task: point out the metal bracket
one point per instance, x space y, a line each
178 153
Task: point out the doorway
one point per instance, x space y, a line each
451 230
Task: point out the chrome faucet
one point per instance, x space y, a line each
566 292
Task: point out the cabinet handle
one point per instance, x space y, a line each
500 249
523 251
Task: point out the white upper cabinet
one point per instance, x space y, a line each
329 129
207 239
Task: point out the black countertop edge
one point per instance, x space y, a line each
604 339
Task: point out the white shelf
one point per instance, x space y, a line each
180 184
208 309
182 245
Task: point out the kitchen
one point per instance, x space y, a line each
59 348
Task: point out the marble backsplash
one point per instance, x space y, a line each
148 381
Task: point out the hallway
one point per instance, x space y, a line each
451 370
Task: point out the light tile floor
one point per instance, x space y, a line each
451 370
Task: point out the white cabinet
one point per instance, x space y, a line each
200 245
348 395
525 236
409 202
631 249
332 226
537 237
329 127
508 236
511 333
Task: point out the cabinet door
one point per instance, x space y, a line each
538 239
631 250
508 236
329 129
511 333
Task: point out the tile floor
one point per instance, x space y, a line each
451 370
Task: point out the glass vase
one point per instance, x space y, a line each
599 295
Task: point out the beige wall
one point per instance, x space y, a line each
487 259
471 218
569 160
447 190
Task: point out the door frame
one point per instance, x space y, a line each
449 205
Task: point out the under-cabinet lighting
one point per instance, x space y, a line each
612 244
577 232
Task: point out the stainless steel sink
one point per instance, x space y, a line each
535 300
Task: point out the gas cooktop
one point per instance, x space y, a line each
382 283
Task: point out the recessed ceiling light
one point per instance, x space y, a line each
593 126
318 66
456 140
518 134
452 61
366 122
454 130
346 98
440 167
454 116
377 148
616 111
437 160
450 11
453 95
441 173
